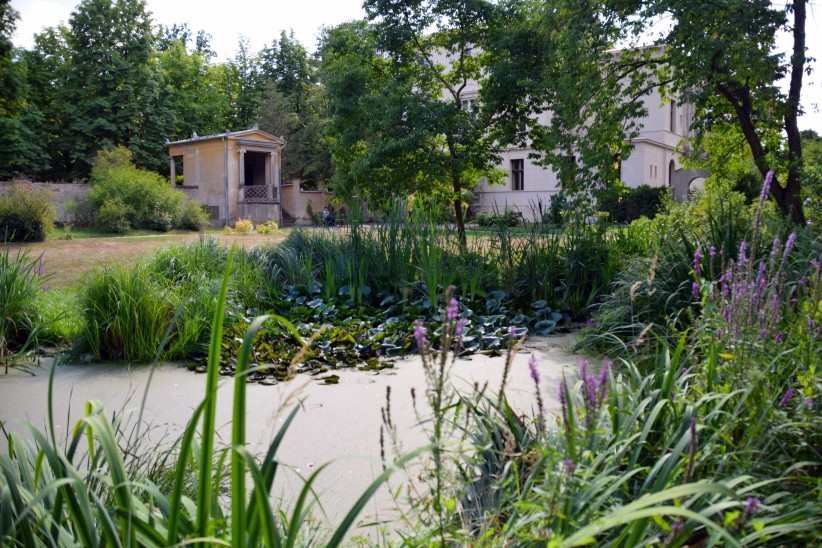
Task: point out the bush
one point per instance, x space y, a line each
113 216
625 204
556 209
26 214
243 226
268 227
149 201
507 218
192 215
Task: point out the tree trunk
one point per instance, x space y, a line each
459 217
791 203
787 198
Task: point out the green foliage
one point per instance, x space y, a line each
508 218
113 216
126 314
125 197
51 492
26 214
624 204
19 315
401 117
551 55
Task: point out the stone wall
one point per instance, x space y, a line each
295 202
61 194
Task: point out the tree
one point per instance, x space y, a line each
422 56
20 150
111 85
246 87
721 55
556 85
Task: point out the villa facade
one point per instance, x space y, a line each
654 160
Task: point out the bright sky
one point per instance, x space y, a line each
260 21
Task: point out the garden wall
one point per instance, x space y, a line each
61 194
295 202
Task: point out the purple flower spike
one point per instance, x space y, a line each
789 245
459 329
743 252
752 504
779 338
419 335
569 466
712 251
532 369
697 264
787 397
695 290
766 186
453 310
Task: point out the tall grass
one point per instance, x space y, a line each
84 493
126 314
635 458
19 317
410 257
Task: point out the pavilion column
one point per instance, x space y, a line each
172 170
269 171
242 167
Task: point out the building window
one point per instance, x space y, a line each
517 174
469 105
179 174
671 169
673 116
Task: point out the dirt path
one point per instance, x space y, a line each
338 424
66 261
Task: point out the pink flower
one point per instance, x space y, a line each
419 335
452 310
532 369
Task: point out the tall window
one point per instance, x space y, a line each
673 116
517 174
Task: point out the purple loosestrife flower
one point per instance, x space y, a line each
766 186
569 466
697 264
712 251
743 252
452 310
779 338
787 397
419 335
695 290
752 504
533 371
459 328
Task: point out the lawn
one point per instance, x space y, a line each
66 261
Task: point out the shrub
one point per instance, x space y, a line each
26 214
507 218
150 202
126 313
113 216
243 226
192 215
624 204
556 209
268 227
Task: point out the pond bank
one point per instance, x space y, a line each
338 423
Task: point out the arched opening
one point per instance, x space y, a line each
671 169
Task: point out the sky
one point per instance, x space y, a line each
260 21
